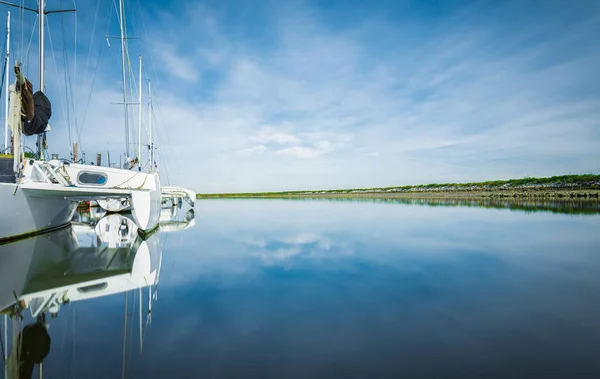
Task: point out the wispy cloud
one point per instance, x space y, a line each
279 97
176 64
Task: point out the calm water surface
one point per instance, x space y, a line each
306 289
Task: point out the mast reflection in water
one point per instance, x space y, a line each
99 255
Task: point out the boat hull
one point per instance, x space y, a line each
26 213
175 196
143 189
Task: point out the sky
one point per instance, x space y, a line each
269 95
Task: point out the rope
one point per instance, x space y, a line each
69 92
91 91
159 133
118 186
30 40
95 70
116 8
31 36
59 86
92 39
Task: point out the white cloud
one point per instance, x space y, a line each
372 104
268 135
258 149
301 152
176 63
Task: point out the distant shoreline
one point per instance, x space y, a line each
578 187
566 194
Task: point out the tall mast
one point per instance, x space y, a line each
7 63
124 336
140 119
140 313
42 14
123 52
150 140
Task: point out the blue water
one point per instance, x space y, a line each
332 289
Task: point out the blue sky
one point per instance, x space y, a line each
269 95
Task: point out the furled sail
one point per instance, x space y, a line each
14 120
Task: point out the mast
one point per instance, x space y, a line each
140 119
7 62
141 338
150 141
124 337
42 14
122 26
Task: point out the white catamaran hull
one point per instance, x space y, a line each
174 196
49 194
144 191
26 213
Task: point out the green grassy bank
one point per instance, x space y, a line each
578 186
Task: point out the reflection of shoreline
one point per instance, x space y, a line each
592 193
566 206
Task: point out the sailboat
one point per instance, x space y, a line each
43 194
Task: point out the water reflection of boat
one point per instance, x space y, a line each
55 268
177 218
88 214
43 273
24 259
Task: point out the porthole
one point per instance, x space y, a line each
92 178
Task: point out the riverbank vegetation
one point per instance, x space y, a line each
574 184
